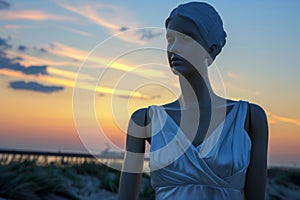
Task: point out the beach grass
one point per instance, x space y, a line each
27 180
30 179
283 183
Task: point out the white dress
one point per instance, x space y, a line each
215 169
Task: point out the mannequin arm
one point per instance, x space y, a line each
134 157
256 178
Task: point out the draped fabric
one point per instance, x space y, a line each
215 169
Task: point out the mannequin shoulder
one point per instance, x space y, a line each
258 119
257 113
140 117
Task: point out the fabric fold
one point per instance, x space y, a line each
178 169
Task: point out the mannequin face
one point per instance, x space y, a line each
187 51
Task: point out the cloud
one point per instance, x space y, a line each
71 84
78 32
65 52
68 74
78 54
43 50
22 48
40 50
68 80
4 44
4 4
24 64
92 12
232 75
25 48
9 26
34 86
273 119
32 15
28 60
144 97
6 63
13 64
109 17
148 34
124 29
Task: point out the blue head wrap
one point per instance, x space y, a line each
206 18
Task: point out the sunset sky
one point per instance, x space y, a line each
72 72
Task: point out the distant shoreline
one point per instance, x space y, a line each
105 154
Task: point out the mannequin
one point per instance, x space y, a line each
190 63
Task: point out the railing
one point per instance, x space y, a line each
7 156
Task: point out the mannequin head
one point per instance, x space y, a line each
187 50
198 22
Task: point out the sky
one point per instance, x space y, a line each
72 72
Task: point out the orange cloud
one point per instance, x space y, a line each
34 15
64 52
67 51
72 84
78 32
13 27
78 54
68 74
28 60
90 12
273 118
109 17
232 75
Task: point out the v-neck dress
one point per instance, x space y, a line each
215 169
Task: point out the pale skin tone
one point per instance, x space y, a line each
194 83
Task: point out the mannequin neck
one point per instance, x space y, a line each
196 89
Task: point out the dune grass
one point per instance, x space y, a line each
29 179
284 176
